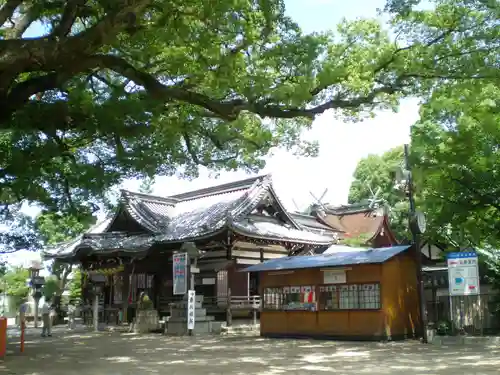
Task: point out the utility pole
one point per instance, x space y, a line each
416 229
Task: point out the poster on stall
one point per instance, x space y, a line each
180 273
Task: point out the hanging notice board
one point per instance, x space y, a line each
180 273
463 273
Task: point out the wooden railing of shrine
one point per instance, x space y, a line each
236 302
220 303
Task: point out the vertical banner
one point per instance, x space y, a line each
191 309
180 273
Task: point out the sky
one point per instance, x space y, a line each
341 145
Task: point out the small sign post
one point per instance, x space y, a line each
180 262
191 307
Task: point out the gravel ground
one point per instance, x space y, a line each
123 354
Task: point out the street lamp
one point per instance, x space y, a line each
417 224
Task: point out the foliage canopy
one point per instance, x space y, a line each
114 89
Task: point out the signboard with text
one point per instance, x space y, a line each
180 264
334 277
191 309
463 273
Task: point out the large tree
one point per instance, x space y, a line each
113 89
456 150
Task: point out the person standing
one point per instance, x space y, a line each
46 318
23 308
71 314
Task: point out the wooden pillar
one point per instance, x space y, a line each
125 293
229 313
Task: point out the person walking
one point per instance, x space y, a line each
46 318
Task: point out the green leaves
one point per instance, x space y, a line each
135 89
375 173
15 281
457 145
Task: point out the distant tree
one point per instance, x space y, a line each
51 288
358 241
146 186
376 173
54 228
15 280
75 285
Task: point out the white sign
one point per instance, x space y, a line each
463 274
191 309
179 270
334 277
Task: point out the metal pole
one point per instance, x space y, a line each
416 244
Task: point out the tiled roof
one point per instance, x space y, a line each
268 230
356 256
353 220
194 215
310 222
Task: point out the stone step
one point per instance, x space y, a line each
241 329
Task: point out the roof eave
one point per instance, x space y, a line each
277 239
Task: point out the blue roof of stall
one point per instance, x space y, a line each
332 259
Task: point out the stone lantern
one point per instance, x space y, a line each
36 283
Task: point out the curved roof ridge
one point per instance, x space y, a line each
219 189
130 202
168 200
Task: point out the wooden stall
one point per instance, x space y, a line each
358 294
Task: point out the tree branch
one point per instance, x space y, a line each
191 151
7 11
46 54
68 18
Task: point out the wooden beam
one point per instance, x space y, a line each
125 293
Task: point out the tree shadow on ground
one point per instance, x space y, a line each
121 354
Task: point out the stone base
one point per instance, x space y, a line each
200 313
146 321
177 326
177 321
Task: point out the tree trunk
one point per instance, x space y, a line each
63 281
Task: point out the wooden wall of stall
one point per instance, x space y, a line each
397 318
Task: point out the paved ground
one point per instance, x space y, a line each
124 354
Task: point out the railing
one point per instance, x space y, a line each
237 302
220 302
472 314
